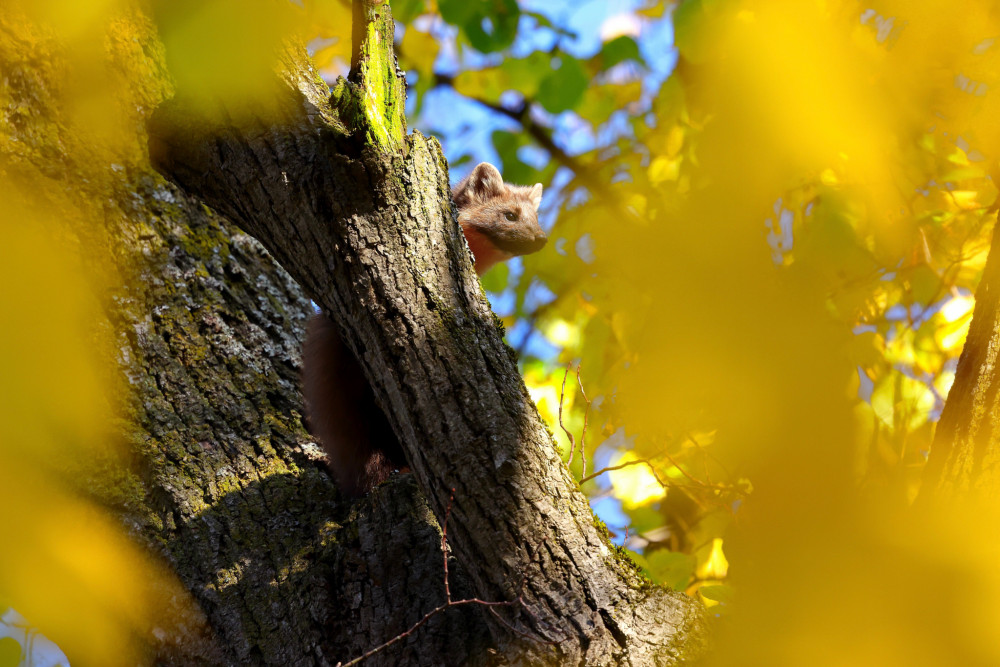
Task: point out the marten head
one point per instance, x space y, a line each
500 221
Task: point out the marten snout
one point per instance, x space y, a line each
537 243
523 246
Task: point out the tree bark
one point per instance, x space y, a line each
370 233
965 458
236 493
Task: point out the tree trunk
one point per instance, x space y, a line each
965 458
365 223
234 494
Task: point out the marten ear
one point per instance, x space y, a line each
535 195
485 182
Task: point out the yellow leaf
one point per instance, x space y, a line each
663 169
419 50
715 565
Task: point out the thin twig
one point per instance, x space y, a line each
667 485
586 415
562 396
684 472
444 546
626 465
449 603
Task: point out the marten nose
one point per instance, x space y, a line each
522 244
538 242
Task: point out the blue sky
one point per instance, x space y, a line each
466 128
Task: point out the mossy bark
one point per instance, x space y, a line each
377 92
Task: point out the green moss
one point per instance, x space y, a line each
602 528
621 555
498 323
329 533
343 98
114 485
373 103
204 241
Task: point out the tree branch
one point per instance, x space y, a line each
372 236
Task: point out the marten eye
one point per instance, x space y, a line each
510 215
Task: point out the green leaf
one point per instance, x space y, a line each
457 12
563 89
10 652
545 22
925 284
506 143
689 31
521 74
495 28
460 160
489 25
600 101
720 593
526 74
405 11
495 280
671 568
619 50
645 518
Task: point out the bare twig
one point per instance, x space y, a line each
684 472
449 603
444 546
586 415
562 396
667 485
637 462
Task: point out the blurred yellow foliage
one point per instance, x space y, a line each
794 273
65 565
715 565
79 80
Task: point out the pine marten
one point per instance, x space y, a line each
500 221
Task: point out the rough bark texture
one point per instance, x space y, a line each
965 458
373 239
236 491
